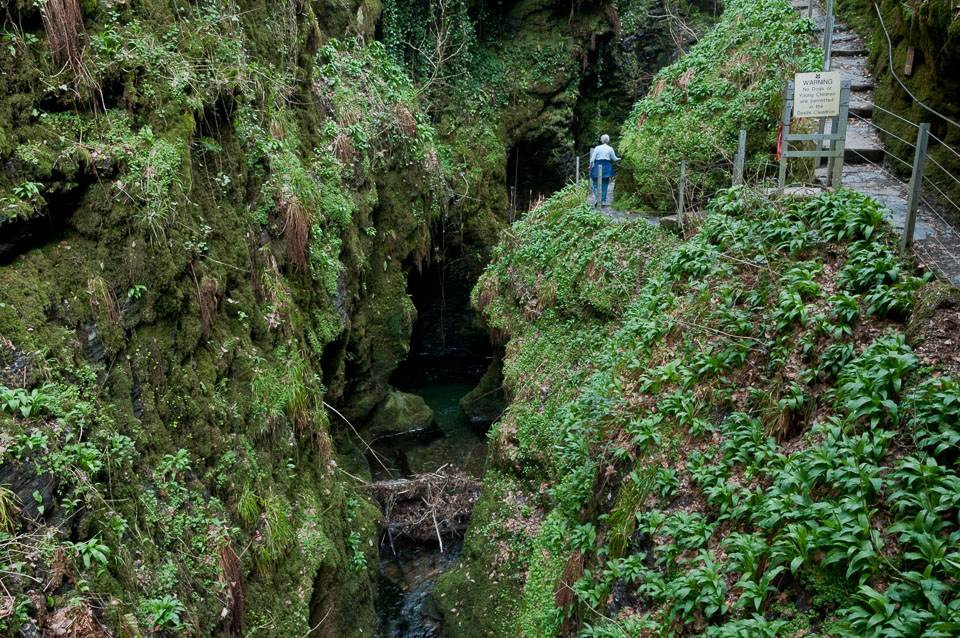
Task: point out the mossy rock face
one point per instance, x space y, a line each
936 307
399 413
480 598
210 338
486 402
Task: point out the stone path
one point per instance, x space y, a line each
608 202
609 212
936 243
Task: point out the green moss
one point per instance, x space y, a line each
479 598
732 79
631 436
398 413
929 303
174 317
484 403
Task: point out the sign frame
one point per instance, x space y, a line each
817 94
836 138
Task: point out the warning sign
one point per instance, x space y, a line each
816 94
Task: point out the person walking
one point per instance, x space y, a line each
601 169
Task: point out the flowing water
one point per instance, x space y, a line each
407 579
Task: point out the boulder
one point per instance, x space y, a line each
398 413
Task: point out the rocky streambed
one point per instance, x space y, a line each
427 478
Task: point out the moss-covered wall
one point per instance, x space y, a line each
732 79
932 30
239 198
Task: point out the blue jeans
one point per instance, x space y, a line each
603 190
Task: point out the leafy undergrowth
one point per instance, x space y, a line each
731 79
763 442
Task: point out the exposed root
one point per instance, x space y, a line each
296 230
422 256
343 148
102 298
63 22
427 507
207 293
564 595
406 120
233 573
75 621
654 94
611 12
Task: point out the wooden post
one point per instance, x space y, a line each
785 122
916 181
683 186
810 9
740 159
838 146
827 61
577 178
828 37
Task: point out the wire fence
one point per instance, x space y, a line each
946 200
693 184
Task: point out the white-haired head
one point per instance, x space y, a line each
604 139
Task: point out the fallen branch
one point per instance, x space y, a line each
426 507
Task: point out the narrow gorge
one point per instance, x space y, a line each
307 328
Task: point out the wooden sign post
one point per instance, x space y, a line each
820 95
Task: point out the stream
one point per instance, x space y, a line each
407 579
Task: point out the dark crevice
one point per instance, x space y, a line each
446 344
534 170
18 236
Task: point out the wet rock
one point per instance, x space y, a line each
136 389
16 366
131 312
28 630
484 404
674 224
399 413
22 479
95 350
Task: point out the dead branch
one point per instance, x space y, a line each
426 507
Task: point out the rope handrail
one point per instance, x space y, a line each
927 204
942 194
945 249
899 159
914 146
889 112
897 77
897 179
